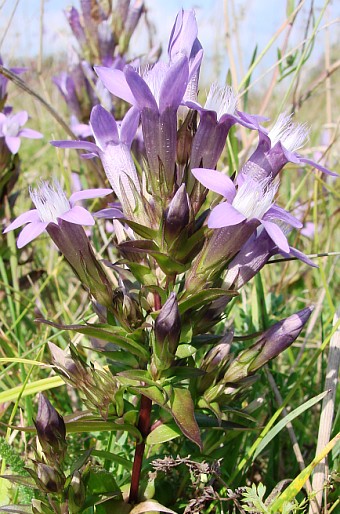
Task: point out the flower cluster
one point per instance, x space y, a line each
188 235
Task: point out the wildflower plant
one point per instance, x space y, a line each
188 237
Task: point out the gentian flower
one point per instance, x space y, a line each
277 147
51 207
157 95
253 256
217 116
11 131
113 142
254 199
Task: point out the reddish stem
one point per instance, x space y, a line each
144 428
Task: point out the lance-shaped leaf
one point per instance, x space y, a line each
182 409
202 298
150 506
105 332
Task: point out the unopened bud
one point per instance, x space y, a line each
272 342
51 430
47 478
168 324
177 215
167 334
214 363
76 494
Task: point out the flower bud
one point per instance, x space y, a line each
167 334
168 324
76 493
214 363
272 342
47 478
177 215
51 430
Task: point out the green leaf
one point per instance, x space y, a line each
163 433
182 409
32 388
203 297
141 230
142 273
185 350
135 375
115 458
107 333
281 424
152 392
100 481
76 427
182 372
17 509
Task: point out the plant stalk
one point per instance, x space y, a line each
144 428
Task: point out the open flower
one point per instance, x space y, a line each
113 142
51 206
253 199
277 147
10 129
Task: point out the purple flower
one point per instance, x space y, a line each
113 142
253 256
51 206
10 129
217 116
277 147
4 81
253 199
156 93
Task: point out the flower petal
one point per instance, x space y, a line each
277 212
104 127
224 215
20 118
86 194
301 256
215 181
276 234
129 126
78 215
144 98
318 167
78 145
13 143
174 84
25 217
115 81
30 232
109 213
30 133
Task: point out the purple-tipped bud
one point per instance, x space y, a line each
167 334
168 324
215 362
47 478
76 494
272 342
279 337
51 430
177 215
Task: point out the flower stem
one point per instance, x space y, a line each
144 428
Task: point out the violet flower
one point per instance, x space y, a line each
253 256
157 95
254 199
113 142
51 207
217 116
11 131
277 147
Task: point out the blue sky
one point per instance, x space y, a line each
258 21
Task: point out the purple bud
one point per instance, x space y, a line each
168 324
177 215
215 362
48 479
51 429
279 337
272 342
